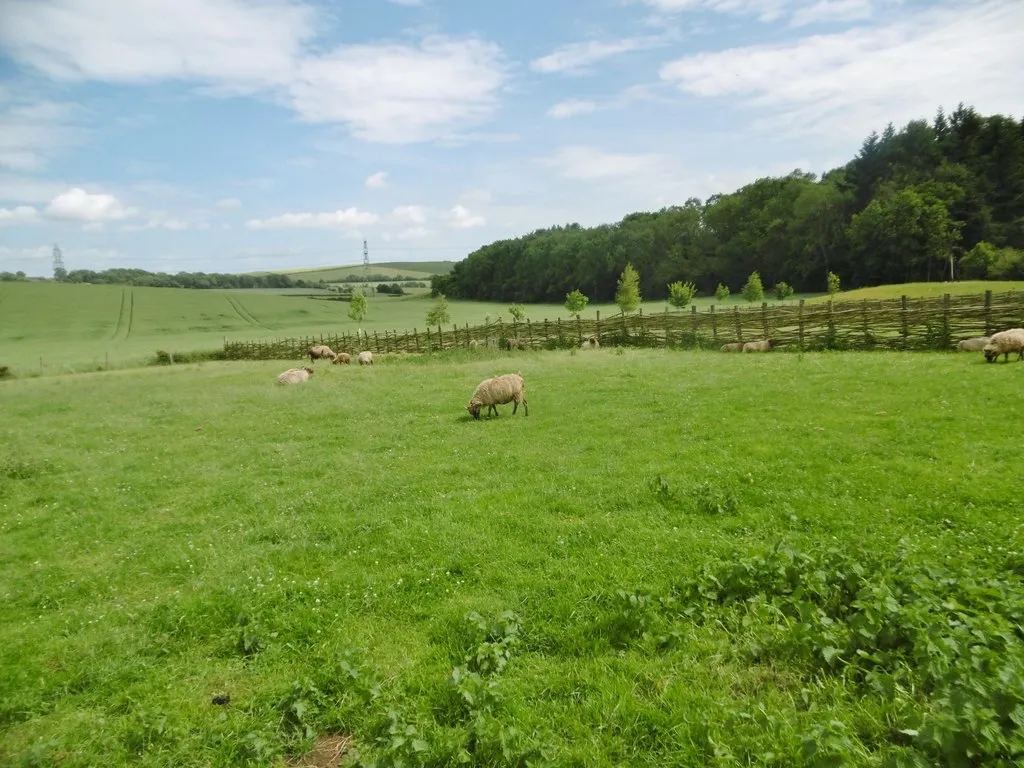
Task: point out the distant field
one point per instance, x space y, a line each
419 270
912 290
79 327
709 560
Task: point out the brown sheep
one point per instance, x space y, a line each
499 390
760 346
342 358
734 347
320 352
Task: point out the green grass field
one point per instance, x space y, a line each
916 290
57 328
785 560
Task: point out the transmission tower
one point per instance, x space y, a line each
58 259
366 258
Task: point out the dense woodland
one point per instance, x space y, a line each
914 204
201 280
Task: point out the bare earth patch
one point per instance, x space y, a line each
326 753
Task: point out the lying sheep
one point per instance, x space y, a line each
973 345
499 390
366 358
342 358
590 343
765 345
295 375
320 351
736 346
1003 343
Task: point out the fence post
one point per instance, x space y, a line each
529 331
988 313
455 336
666 326
714 325
428 339
693 323
831 325
579 330
739 324
376 343
864 321
945 320
416 336
643 328
440 338
597 327
764 318
903 319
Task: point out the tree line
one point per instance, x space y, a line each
934 200
197 280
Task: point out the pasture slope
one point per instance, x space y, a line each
87 327
678 558
417 270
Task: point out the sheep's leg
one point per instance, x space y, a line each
526 409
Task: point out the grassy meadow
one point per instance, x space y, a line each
677 558
418 270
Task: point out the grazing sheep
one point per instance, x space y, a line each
1003 343
320 351
474 344
499 390
342 358
514 343
736 346
590 342
295 375
366 358
973 345
766 345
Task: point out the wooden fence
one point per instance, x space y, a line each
903 324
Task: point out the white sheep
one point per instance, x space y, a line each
736 346
765 345
474 344
973 345
366 358
295 375
499 390
1003 343
590 342
320 351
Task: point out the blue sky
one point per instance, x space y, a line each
235 135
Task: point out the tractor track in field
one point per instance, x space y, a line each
245 314
114 336
131 313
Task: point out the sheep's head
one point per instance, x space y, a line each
991 353
474 410
309 370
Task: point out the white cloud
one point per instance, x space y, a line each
765 10
843 85
408 3
387 92
27 189
575 57
398 94
345 219
832 10
377 180
413 233
236 45
158 222
228 204
460 217
78 205
590 163
416 214
93 226
572 107
31 132
22 214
